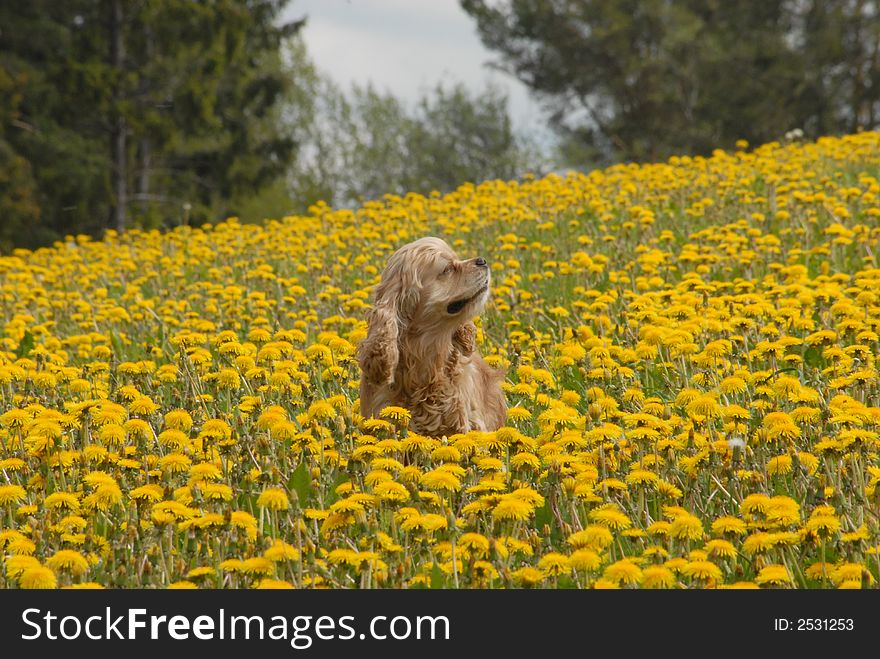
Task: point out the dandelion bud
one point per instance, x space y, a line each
451 520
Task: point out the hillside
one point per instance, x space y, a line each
690 353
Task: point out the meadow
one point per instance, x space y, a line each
693 396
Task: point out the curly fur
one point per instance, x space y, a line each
420 352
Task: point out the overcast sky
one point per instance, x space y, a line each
405 46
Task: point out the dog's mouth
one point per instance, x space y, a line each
455 307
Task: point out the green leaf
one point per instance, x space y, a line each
438 579
813 357
543 516
25 345
117 345
301 482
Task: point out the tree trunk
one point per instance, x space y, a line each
145 148
117 141
144 175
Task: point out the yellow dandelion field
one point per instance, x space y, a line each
693 393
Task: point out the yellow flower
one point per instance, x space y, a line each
704 570
11 494
257 565
733 385
178 420
273 498
143 406
17 564
174 463
527 576
475 544
512 508
758 542
729 524
585 559
623 571
612 518
62 501
774 575
823 525
67 559
391 491
439 479
592 537
554 564
721 548
37 577
517 413
686 527
779 466
151 492
754 504
853 573
395 413
273 584
657 576
228 378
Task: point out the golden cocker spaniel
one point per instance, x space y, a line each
420 352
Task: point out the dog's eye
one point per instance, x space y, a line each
447 269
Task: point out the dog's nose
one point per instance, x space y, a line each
481 262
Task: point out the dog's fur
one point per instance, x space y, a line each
420 352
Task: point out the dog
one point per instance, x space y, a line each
420 351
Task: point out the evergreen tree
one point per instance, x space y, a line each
644 79
117 113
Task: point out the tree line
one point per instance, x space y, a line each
122 113
646 79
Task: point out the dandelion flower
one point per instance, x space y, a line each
67 559
657 576
38 577
512 508
10 494
774 575
273 498
528 576
623 571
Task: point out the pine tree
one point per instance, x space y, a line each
117 114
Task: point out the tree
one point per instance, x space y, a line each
49 112
643 79
18 204
117 113
365 143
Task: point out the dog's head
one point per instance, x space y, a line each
427 288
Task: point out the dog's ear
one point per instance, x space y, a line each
377 353
465 337
397 297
